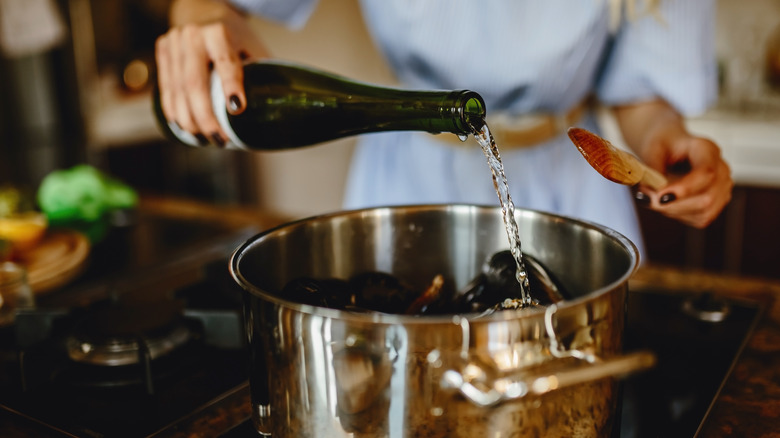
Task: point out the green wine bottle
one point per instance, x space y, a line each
290 106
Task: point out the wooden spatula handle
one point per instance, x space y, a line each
653 178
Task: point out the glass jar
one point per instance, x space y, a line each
15 292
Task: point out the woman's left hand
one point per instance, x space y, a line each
698 196
695 195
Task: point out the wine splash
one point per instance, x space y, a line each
488 144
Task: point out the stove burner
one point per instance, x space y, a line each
707 307
126 351
128 331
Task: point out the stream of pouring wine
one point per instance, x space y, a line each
488 144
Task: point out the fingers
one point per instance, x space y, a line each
195 90
698 197
185 57
182 69
228 65
164 76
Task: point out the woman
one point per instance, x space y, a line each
534 63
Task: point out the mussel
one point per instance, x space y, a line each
327 292
494 288
497 288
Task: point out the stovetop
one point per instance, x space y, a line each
157 258
696 338
44 386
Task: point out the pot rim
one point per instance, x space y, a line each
387 318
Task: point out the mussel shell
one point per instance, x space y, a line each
543 284
382 292
329 292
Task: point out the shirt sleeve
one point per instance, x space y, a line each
670 55
292 13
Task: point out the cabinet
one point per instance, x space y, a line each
743 240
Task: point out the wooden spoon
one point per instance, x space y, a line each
612 163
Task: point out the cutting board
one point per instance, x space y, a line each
56 260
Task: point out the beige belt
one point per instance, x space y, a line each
526 130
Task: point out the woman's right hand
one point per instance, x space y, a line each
205 35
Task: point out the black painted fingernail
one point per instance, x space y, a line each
667 198
234 103
218 139
642 198
202 140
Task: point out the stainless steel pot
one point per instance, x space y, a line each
319 372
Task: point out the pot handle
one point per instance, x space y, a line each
509 388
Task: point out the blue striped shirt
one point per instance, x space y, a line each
522 56
531 55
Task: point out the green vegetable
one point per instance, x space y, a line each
82 193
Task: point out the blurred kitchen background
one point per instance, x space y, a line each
75 87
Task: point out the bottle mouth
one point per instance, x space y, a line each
472 110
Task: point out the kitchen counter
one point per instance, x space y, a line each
748 405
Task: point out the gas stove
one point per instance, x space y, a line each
127 366
151 333
159 351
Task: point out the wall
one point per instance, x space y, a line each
744 29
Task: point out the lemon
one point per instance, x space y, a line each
23 230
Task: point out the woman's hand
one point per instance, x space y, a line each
696 197
698 194
205 35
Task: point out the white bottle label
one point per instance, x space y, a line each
220 111
183 136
